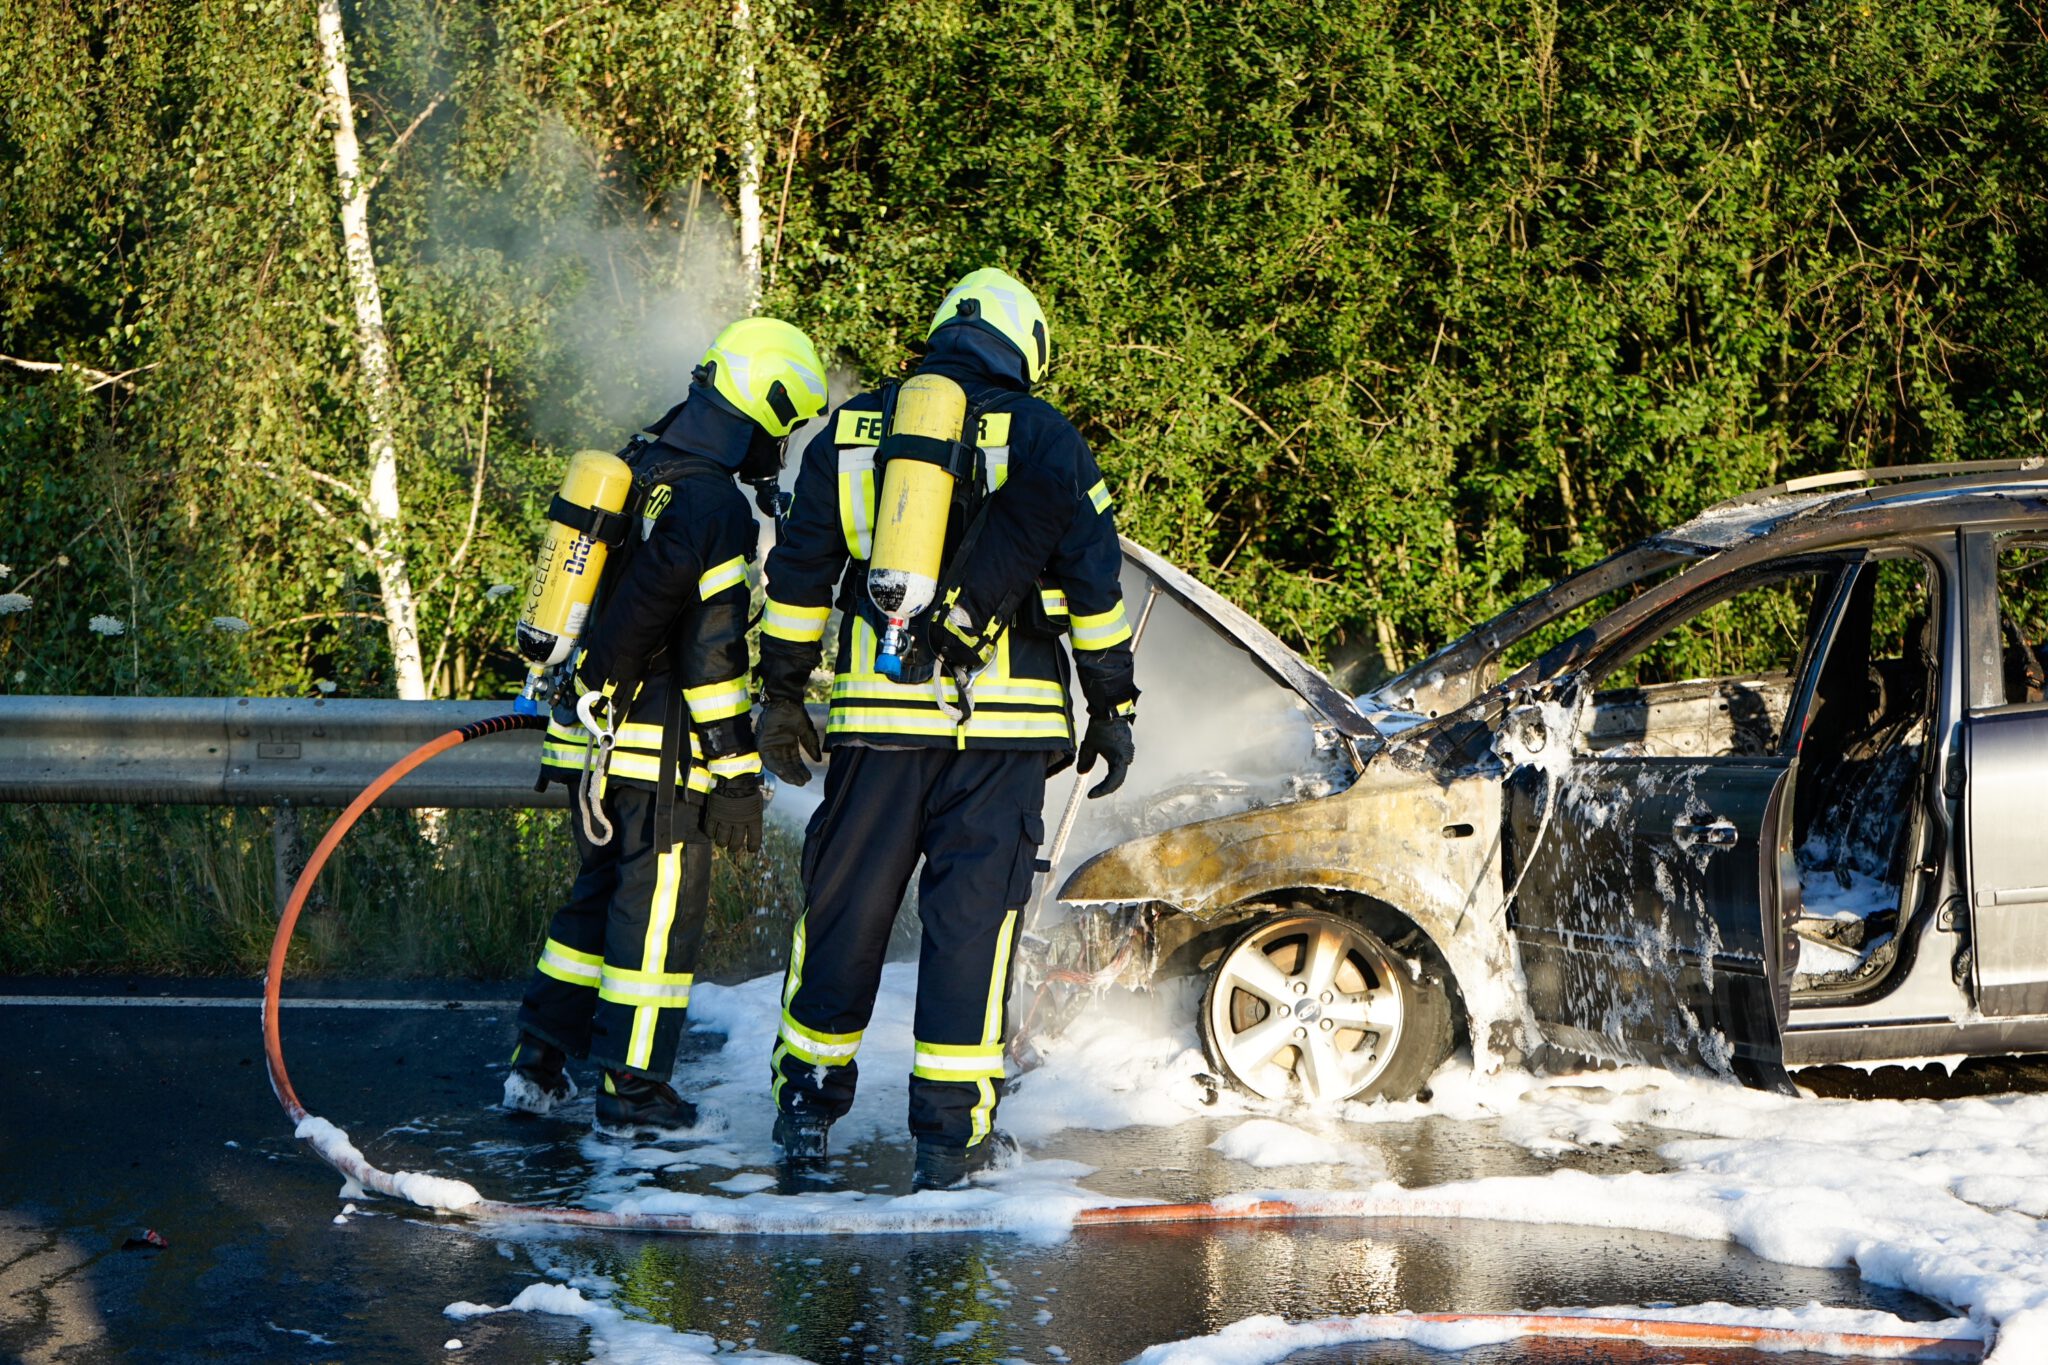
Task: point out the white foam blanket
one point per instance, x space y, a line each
1941 1198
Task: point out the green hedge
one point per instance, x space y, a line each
1378 313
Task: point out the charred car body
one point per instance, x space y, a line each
1761 796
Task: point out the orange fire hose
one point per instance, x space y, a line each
273 976
1665 1332
434 1193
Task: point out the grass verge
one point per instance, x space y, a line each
191 891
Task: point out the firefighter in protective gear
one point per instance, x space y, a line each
923 765
663 675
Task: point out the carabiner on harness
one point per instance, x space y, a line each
597 762
963 683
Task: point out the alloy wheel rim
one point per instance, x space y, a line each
1307 1001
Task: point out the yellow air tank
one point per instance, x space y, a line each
571 561
910 517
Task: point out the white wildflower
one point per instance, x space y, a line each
233 625
20 675
326 685
107 625
11 602
6 570
498 590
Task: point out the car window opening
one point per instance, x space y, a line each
1715 684
2023 616
1531 647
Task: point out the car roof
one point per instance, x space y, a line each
1758 513
1840 506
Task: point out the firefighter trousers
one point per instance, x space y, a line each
975 817
613 981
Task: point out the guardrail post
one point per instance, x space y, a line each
287 854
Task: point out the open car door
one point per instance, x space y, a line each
1641 920
1649 842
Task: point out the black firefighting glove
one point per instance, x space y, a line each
786 734
1110 738
732 813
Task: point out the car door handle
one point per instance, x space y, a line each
1711 830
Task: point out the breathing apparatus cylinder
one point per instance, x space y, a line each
917 454
584 523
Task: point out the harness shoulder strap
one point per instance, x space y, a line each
652 473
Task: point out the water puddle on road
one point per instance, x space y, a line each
161 1121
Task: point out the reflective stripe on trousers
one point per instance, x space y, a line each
614 977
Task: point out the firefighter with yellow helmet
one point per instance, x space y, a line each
655 727
961 527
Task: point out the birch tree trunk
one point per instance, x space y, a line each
749 151
380 383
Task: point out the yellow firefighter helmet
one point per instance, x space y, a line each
769 372
998 302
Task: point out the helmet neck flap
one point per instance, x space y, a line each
707 425
963 351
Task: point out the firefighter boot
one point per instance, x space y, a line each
944 1167
630 1105
801 1137
800 1141
539 1078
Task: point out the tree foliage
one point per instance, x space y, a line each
1378 314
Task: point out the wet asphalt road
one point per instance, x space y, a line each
119 1119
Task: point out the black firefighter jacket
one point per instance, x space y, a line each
1045 560
674 617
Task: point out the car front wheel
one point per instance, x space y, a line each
1316 1006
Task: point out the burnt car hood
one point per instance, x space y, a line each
1330 707
1229 719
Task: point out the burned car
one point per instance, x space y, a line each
1751 795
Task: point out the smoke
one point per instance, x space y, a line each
1216 735
600 307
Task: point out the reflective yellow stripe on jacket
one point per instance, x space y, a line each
715 580
1102 630
802 625
1005 705
717 701
857 500
636 755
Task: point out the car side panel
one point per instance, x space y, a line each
2006 756
1426 847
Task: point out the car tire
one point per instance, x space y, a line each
1316 1007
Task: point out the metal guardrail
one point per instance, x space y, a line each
261 751
257 751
